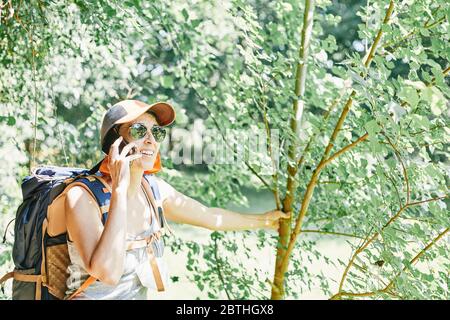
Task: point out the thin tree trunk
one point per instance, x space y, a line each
283 265
298 104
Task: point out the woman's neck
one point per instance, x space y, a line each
136 175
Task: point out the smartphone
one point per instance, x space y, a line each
123 144
115 136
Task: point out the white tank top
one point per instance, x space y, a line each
136 278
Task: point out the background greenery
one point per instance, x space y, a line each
235 65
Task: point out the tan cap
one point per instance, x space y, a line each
128 110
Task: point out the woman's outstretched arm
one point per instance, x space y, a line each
183 209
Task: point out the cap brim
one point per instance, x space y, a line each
165 113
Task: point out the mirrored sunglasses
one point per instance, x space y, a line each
138 131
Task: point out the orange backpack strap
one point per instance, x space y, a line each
155 269
83 287
24 278
6 277
147 243
130 246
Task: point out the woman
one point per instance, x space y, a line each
101 250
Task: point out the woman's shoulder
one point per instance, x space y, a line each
78 195
165 189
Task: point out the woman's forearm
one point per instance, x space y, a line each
109 255
183 209
226 220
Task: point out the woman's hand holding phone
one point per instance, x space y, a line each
119 163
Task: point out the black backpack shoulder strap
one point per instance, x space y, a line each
101 192
150 178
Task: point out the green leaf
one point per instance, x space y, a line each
424 32
434 97
10 120
409 95
185 14
211 295
195 23
167 82
372 128
428 277
375 146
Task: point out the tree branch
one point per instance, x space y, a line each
311 139
417 257
428 200
229 146
404 103
219 270
340 182
269 149
445 72
312 183
392 282
405 173
427 130
331 233
298 103
394 44
297 106
376 234
216 124
395 187
346 148
379 34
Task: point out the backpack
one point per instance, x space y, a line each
40 251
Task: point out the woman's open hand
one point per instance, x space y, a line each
272 218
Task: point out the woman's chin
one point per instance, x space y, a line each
147 164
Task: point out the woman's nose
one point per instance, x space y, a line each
149 139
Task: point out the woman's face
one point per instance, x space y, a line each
147 146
